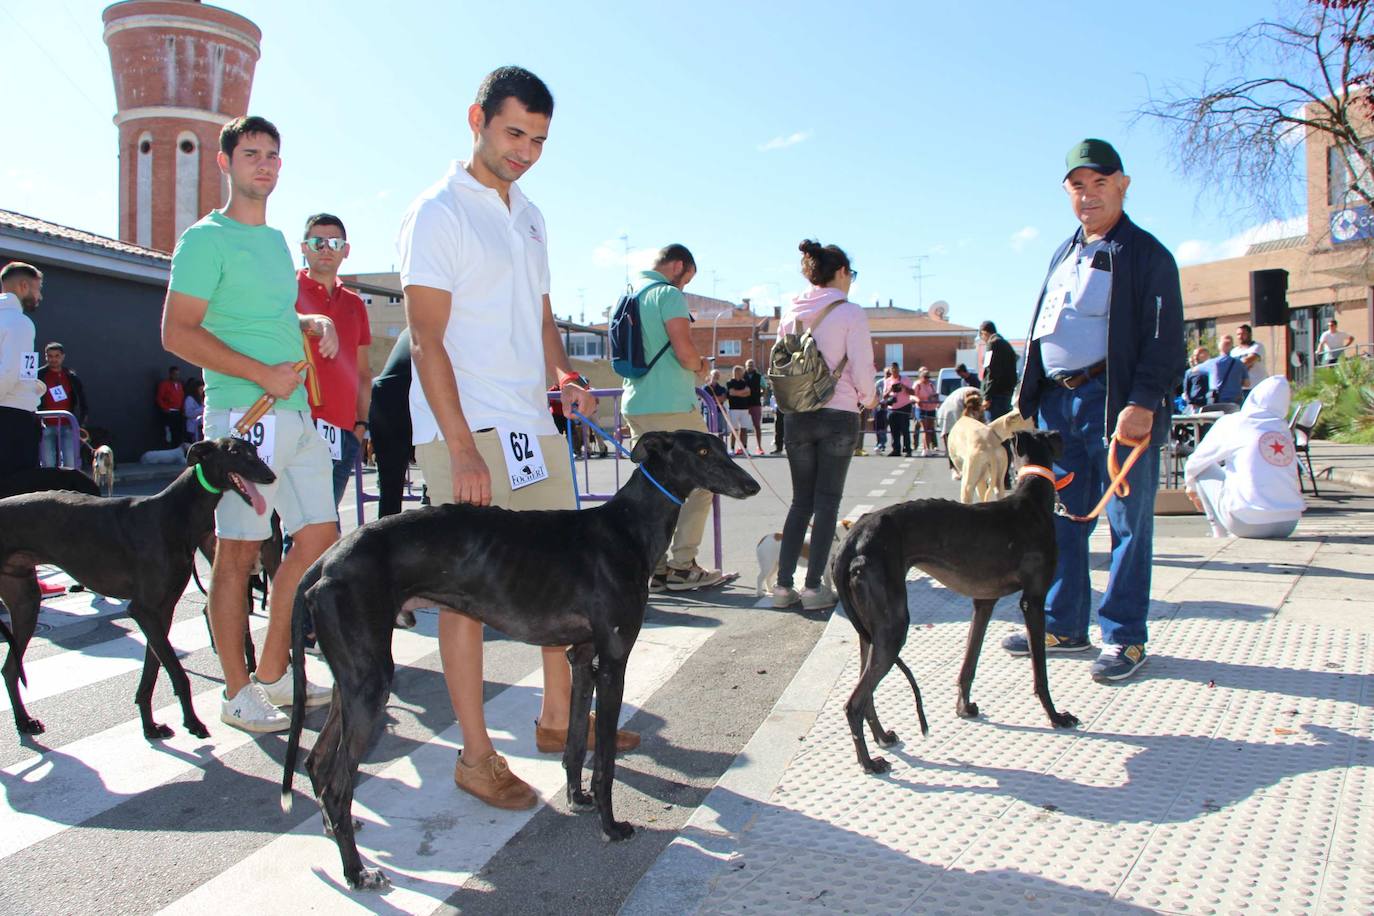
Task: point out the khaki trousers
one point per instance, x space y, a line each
691 521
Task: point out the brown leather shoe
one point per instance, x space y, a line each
492 781
554 740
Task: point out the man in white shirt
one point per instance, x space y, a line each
1251 354
475 273
1333 344
21 290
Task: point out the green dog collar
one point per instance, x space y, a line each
200 475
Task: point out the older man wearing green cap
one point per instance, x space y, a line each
1104 352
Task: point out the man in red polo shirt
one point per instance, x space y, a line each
345 382
61 444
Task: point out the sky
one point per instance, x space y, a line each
917 136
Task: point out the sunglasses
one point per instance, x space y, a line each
853 274
315 243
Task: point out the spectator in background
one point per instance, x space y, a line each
345 382
756 384
718 393
737 393
999 370
897 397
171 394
1251 354
880 413
61 443
969 379
194 409
1197 381
1227 374
1332 344
389 426
1242 474
927 398
21 290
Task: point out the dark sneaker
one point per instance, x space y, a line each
1018 644
684 580
1116 663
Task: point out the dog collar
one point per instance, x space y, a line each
200 475
1036 470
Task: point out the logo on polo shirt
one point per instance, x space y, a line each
534 234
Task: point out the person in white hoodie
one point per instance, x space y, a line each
21 290
1242 476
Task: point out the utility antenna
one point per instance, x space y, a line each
715 282
918 273
625 240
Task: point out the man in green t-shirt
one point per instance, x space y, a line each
231 309
664 398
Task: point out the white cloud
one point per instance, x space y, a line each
1023 236
1198 251
611 253
782 142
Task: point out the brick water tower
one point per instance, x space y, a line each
181 70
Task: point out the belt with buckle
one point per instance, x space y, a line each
1082 377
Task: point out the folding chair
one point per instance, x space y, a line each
1303 422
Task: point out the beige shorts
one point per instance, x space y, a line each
304 492
553 492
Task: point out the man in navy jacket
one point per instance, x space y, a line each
1104 354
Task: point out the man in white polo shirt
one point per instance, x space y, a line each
475 272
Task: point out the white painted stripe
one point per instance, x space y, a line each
859 510
889 481
67 671
877 493
45 794
428 836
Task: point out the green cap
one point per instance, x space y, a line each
1098 155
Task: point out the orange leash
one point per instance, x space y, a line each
262 405
1118 472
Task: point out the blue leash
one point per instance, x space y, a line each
621 449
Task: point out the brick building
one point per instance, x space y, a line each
181 70
911 339
1330 268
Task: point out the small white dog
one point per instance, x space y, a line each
175 455
770 550
103 470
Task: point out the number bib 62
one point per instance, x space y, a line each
524 460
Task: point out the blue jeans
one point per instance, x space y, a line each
1078 417
999 404
343 468
820 445
60 447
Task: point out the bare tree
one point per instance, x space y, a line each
1270 86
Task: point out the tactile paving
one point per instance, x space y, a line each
1235 774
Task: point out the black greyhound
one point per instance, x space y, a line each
139 548
984 551
556 578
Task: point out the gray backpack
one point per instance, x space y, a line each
797 372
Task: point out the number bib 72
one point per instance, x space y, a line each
262 434
524 460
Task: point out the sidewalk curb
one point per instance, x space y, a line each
706 848
1357 478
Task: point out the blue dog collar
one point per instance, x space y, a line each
620 448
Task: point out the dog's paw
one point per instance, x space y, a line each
879 765
29 726
966 710
158 732
886 739
579 800
1064 720
195 727
370 879
619 830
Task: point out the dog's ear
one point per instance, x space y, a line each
1056 444
199 452
1020 442
651 444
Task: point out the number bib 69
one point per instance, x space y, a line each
262 434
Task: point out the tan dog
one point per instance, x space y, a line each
770 550
979 460
103 470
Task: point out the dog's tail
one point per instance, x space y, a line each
293 741
14 654
920 707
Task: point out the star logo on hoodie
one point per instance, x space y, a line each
1275 448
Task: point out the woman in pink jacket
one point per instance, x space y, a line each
820 443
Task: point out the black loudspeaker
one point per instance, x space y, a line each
1268 296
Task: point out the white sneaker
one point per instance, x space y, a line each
281 692
251 711
818 599
785 596
920 452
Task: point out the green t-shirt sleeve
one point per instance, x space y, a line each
196 266
671 303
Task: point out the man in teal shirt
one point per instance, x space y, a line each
231 309
665 399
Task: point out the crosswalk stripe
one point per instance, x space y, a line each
428 836
46 793
68 671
